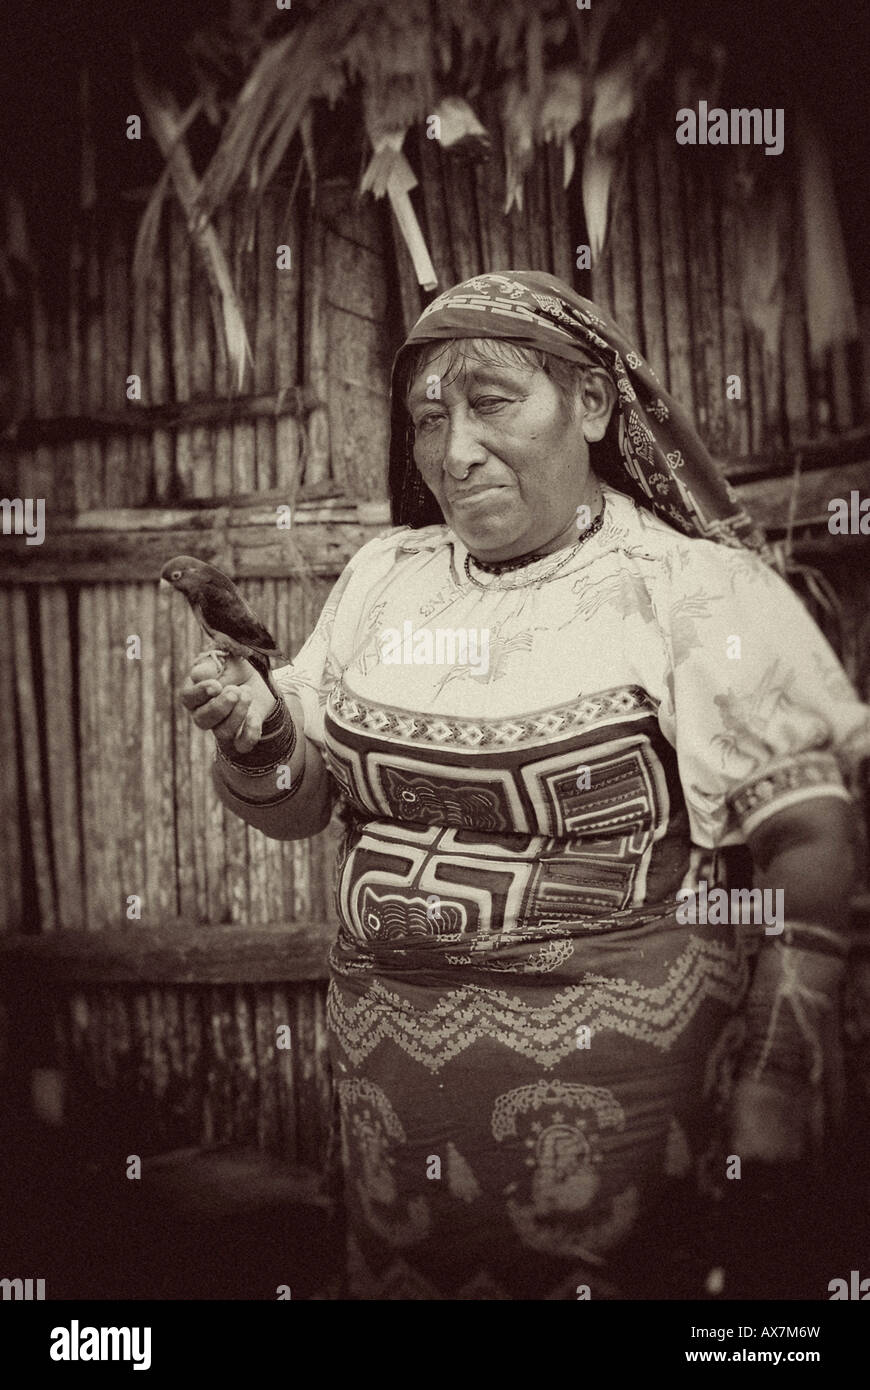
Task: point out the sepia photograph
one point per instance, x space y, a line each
435 457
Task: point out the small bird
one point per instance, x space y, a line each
222 613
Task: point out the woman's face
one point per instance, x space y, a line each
525 455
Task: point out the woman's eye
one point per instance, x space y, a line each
426 421
485 403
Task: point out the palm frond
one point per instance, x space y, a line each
269 109
164 121
598 170
149 227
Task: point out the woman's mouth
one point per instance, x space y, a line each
475 495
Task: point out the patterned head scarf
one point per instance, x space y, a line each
651 450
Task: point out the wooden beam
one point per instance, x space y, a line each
180 953
183 953
242 536
249 552
32 431
769 500
260 510
829 452
246 542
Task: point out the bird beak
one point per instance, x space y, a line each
164 583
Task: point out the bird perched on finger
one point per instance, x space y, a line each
223 614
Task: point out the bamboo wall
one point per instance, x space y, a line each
151 1067
106 790
669 274
322 322
117 786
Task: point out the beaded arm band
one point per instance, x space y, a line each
274 749
791 1008
809 936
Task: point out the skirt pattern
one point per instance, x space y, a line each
511 1108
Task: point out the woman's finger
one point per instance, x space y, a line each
249 735
195 693
213 662
215 711
226 732
205 668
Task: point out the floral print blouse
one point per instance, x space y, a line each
744 686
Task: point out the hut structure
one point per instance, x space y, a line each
216 235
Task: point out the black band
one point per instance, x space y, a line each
280 795
808 936
275 747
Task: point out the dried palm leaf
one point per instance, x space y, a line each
164 121
208 92
598 171
649 54
393 42
283 134
17 241
460 128
590 27
249 126
519 140
306 135
399 184
387 114
149 225
562 108
613 103
235 334
618 92
463 30
509 28
273 101
612 107
561 111
392 108
384 160
534 64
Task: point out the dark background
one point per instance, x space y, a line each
779 52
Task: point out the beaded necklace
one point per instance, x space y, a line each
505 566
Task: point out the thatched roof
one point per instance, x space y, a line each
246 93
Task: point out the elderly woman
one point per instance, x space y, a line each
546 701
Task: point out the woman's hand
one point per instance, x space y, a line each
790 1091
770 1124
233 703
790 1088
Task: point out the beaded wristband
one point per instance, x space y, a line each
259 802
274 748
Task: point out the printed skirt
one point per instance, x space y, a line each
514 1108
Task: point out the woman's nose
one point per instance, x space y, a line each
462 449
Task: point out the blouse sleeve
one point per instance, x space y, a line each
310 672
331 645
757 705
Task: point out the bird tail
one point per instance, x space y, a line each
263 667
